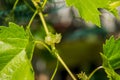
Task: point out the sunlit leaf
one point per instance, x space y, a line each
111 74
88 9
14 62
111 58
111 50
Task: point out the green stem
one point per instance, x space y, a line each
62 62
28 5
56 68
10 16
44 23
41 17
53 47
65 66
44 3
42 43
15 4
59 59
31 20
100 67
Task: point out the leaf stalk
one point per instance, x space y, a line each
100 67
54 50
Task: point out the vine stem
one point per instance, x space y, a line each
44 23
65 66
11 15
42 43
28 6
100 67
62 62
59 60
55 71
41 17
52 47
15 4
31 20
43 5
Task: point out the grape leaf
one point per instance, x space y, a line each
14 62
112 7
111 58
111 74
88 9
114 3
31 44
111 50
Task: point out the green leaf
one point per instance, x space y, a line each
13 31
30 49
88 9
31 44
114 4
111 74
111 50
111 58
112 7
14 62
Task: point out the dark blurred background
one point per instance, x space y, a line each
81 41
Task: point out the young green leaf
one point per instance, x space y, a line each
111 58
111 74
14 62
112 7
114 4
88 9
111 50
